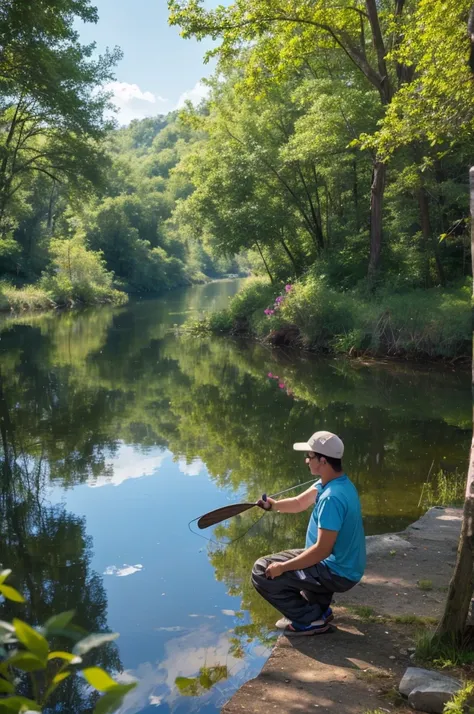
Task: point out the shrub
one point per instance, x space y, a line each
33 653
430 323
78 275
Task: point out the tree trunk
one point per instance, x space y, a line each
376 205
355 193
265 263
289 254
461 587
428 238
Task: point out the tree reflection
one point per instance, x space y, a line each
50 553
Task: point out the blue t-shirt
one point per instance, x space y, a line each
337 508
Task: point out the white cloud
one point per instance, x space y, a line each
128 463
124 571
195 95
192 469
133 103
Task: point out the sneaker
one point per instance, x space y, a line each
315 628
326 617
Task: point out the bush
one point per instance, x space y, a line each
433 323
78 275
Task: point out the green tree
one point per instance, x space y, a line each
283 35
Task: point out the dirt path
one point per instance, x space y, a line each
357 668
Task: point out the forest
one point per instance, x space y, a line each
332 152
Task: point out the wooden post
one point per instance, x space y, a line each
461 586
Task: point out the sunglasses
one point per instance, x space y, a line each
310 456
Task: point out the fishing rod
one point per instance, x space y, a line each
222 514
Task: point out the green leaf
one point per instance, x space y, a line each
55 684
66 656
59 677
59 622
92 641
99 679
18 704
32 639
112 700
25 661
6 687
4 575
11 594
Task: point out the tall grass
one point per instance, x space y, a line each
444 490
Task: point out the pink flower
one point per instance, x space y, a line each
281 385
279 299
288 288
275 376
270 375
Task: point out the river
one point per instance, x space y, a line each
117 431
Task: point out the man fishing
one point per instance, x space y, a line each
300 583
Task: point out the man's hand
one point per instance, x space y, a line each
267 505
275 570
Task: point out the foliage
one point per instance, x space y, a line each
446 489
432 323
78 274
33 653
444 652
462 701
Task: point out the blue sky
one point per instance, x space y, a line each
159 70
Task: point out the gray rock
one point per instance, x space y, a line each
426 690
432 698
383 544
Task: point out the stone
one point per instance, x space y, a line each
383 544
426 690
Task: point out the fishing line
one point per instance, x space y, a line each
220 543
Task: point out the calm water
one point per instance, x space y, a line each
116 432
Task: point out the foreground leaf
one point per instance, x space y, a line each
99 679
59 622
18 704
66 656
32 639
92 641
4 575
26 661
113 699
11 594
6 687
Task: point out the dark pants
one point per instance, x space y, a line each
284 592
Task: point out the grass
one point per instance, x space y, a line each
29 297
33 297
444 490
363 611
425 584
461 703
430 323
414 620
444 652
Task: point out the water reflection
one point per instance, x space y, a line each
114 428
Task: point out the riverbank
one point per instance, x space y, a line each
356 669
310 315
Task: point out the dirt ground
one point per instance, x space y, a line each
358 666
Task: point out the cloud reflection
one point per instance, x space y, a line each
129 462
184 657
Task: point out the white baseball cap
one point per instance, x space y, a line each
322 442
